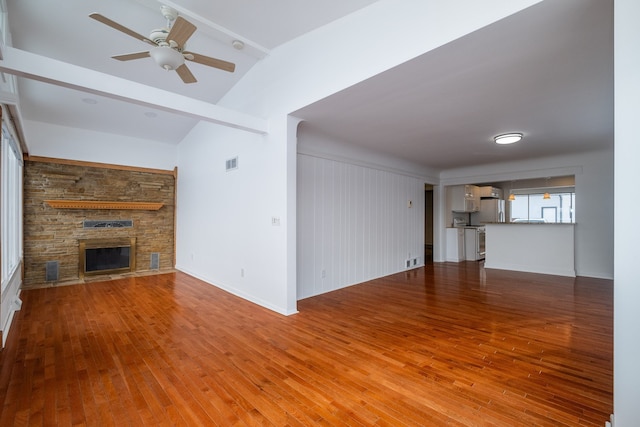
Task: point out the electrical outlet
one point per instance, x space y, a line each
407 263
275 221
242 272
323 274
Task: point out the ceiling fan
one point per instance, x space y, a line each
168 45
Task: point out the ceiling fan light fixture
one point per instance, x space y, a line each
167 58
507 138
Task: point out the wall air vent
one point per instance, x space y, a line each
124 223
52 269
155 261
231 164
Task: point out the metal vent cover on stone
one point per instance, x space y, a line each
119 223
51 271
155 260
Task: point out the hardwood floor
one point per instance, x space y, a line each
446 344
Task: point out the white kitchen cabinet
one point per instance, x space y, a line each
455 244
464 198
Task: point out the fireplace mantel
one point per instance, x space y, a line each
96 204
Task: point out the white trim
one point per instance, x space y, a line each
9 301
13 140
237 292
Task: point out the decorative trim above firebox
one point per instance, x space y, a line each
116 223
94 204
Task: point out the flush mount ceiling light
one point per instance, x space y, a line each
507 138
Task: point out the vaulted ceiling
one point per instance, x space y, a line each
546 71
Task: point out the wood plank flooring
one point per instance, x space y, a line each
447 344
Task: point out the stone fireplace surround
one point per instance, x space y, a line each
61 195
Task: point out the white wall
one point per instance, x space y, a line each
594 200
312 143
353 217
292 76
48 140
354 224
225 232
626 369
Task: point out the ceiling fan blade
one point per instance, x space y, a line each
185 74
181 31
130 56
210 62
120 28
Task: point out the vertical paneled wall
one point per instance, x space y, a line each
355 223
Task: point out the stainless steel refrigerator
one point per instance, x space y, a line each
491 210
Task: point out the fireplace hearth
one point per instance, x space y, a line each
106 256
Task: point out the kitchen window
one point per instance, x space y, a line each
531 206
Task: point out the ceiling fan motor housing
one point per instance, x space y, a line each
159 35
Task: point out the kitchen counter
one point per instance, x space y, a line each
531 247
529 223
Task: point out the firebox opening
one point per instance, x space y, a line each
102 256
106 258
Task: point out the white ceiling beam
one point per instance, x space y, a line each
220 32
43 69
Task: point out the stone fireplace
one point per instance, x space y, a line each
72 208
